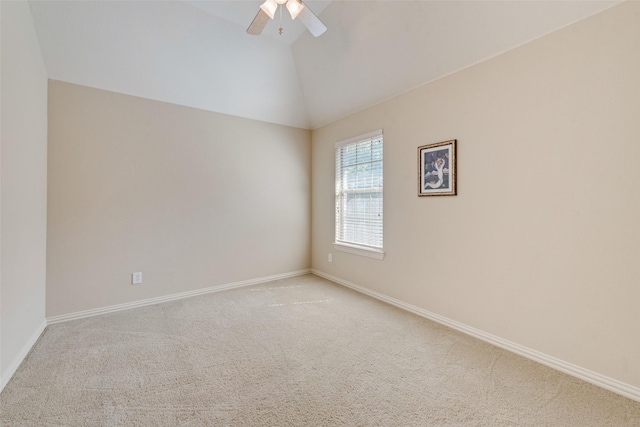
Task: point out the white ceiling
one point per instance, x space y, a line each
197 53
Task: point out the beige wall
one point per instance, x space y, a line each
23 180
190 198
541 245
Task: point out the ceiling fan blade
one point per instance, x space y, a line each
311 21
258 23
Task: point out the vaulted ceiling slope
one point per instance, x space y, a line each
197 53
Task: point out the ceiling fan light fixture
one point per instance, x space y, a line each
294 7
269 7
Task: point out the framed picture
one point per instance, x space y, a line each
437 169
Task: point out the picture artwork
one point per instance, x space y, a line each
437 169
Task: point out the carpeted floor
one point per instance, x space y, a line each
296 352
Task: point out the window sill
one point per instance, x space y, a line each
359 250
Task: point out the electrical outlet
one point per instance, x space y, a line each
330 257
136 278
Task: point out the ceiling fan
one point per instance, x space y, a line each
296 9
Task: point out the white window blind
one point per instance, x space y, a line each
359 213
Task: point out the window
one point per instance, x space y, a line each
359 208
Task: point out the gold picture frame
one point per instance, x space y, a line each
437 169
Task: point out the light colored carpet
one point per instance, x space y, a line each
295 352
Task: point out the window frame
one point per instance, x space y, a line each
346 246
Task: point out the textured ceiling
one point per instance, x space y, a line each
196 53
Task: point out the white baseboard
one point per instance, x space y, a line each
4 380
605 382
141 303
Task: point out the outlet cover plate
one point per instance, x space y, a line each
136 278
